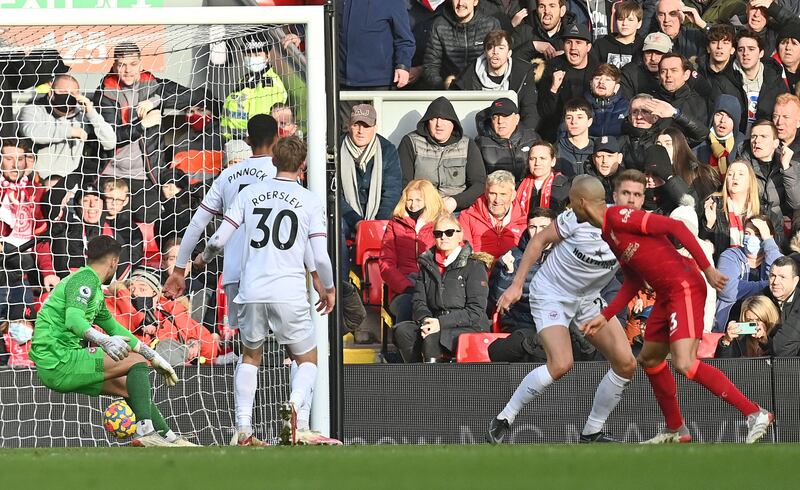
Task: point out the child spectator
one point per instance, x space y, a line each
575 149
285 118
624 45
236 151
117 221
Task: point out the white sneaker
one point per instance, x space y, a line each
146 436
183 442
314 438
666 436
757 424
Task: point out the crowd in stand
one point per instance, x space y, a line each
692 106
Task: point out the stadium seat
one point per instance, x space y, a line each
708 345
474 347
152 254
199 165
496 327
368 250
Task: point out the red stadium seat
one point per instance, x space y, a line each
474 347
152 254
708 345
199 165
368 250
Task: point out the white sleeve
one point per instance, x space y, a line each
234 217
210 206
308 259
566 223
318 243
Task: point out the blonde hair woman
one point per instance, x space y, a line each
407 235
726 212
759 310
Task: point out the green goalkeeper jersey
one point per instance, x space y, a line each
74 306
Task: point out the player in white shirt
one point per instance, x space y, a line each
567 289
282 221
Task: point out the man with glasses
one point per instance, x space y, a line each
117 221
567 288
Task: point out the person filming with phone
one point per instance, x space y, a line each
752 335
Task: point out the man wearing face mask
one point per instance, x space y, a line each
747 268
66 130
256 93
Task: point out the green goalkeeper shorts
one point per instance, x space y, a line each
81 371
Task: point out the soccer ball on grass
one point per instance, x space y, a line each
119 420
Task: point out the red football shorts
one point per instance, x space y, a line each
678 315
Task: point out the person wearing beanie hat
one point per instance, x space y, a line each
788 53
668 189
236 151
724 139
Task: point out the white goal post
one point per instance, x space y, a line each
311 17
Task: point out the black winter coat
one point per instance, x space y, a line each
609 114
507 154
691 105
607 181
457 299
531 30
453 46
786 337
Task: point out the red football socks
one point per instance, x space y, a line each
665 390
716 382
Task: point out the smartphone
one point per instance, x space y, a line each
747 328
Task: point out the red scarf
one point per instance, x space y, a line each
736 229
547 190
439 257
777 57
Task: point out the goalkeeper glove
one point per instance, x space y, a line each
160 364
116 347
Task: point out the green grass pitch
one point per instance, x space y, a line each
612 466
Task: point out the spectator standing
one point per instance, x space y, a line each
668 189
456 41
376 45
495 223
544 187
761 82
449 297
439 152
66 130
117 221
674 73
506 144
702 179
746 267
788 54
786 117
539 35
761 311
640 76
686 41
496 70
576 147
408 234
624 45
724 139
610 106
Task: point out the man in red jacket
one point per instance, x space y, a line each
495 222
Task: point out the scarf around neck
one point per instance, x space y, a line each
720 150
353 157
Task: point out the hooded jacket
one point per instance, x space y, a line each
609 113
455 167
730 106
456 298
402 244
521 80
507 154
484 235
453 46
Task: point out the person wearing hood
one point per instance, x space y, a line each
605 164
576 146
66 130
610 106
496 70
565 78
624 45
776 168
539 35
456 41
746 267
506 144
256 93
449 297
439 152
496 221
544 186
724 139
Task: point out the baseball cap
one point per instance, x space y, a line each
608 144
503 106
657 41
577 31
364 113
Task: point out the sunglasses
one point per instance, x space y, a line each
440 233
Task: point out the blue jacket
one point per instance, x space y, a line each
390 193
519 316
374 38
733 264
609 114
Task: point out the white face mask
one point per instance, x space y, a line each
256 64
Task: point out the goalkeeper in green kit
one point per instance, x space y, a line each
119 366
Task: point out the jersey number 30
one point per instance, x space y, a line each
276 227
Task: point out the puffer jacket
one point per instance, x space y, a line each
519 315
461 179
571 159
453 46
778 189
456 298
532 30
484 235
402 244
609 114
507 154
551 105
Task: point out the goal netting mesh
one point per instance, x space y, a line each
120 130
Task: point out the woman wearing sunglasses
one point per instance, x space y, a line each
449 297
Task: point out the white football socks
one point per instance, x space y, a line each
144 427
245 382
606 398
534 383
302 383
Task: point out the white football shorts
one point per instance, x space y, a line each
289 322
234 310
548 310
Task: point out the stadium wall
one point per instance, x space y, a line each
416 404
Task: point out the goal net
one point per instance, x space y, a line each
120 130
